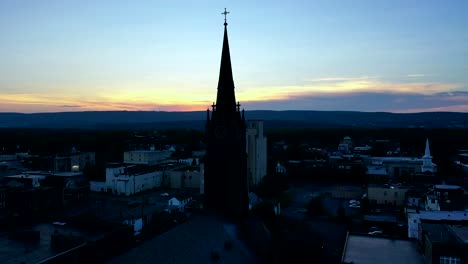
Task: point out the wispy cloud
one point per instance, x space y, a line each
351 94
366 101
341 79
416 75
71 106
345 87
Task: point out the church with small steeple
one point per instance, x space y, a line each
427 165
226 185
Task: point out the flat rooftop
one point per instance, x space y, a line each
440 215
364 249
16 251
26 176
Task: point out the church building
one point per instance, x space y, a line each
226 185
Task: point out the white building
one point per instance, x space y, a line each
414 219
127 180
387 194
395 167
432 203
149 157
178 203
256 152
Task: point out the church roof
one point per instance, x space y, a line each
191 242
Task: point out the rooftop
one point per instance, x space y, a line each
26 176
16 251
440 215
389 186
447 187
396 159
364 249
148 151
461 232
376 170
191 242
380 218
437 232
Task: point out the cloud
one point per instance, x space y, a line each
350 94
416 75
341 79
367 102
340 88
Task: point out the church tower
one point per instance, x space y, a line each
226 187
427 160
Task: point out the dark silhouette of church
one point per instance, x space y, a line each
226 186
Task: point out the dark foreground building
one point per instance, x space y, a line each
226 159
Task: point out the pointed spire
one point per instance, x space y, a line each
427 153
226 99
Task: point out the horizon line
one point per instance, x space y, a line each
270 110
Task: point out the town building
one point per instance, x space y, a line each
280 168
183 177
256 152
149 157
442 243
74 161
398 169
179 202
124 179
448 217
366 249
346 146
387 194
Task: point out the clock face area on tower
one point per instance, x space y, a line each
220 132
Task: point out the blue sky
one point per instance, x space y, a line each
398 56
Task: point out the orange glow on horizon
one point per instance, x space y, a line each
185 99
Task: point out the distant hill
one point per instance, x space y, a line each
196 120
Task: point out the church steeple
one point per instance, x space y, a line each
427 153
225 182
226 98
427 165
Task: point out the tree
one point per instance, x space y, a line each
341 213
91 172
315 206
272 186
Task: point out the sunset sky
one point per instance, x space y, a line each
360 55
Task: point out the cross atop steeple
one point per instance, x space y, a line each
225 16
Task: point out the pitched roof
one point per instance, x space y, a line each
226 98
191 242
